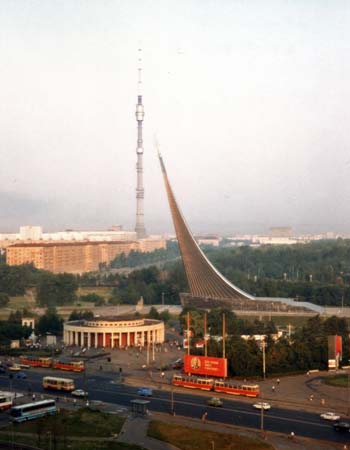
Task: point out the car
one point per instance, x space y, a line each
21 375
330 416
215 401
178 364
80 393
341 425
262 405
145 392
15 368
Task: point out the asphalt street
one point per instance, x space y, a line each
105 388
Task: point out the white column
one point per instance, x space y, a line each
89 339
128 339
104 339
96 340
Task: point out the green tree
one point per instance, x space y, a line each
50 322
56 290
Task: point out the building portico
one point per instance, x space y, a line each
113 332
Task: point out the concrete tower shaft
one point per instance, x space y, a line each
140 114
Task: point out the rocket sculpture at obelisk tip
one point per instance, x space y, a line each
140 226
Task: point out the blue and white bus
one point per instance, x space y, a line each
29 411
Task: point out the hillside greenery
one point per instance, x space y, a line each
318 272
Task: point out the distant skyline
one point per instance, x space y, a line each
249 101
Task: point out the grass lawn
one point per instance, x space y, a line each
83 424
337 380
103 291
191 438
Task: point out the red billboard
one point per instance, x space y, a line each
205 365
334 351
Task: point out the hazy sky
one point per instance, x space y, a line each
249 99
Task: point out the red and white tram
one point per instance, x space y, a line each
208 384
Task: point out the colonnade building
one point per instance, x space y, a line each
113 332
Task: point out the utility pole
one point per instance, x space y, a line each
172 400
163 298
147 354
262 417
264 359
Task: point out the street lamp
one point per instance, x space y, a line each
264 359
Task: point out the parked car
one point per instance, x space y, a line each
262 405
80 393
215 401
21 375
330 416
341 425
145 391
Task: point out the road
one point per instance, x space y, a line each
187 403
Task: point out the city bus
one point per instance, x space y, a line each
65 364
59 384
6 400
33 410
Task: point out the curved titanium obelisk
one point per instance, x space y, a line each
140 114
204 280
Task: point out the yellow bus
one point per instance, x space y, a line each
59 384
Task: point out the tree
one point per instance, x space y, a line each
56 290
50 322
153 313
79 315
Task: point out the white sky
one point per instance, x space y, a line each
249 99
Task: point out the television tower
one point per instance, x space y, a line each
140 226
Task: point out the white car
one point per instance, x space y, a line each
330 416
80 393
262 405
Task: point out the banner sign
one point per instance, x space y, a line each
205 365
334 351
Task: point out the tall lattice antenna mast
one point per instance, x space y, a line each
140 114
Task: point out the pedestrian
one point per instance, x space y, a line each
33 397
204 417
162 374
273 388
75 402
278 381
292 435
87 403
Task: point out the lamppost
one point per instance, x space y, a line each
264 358
348 394
172 400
